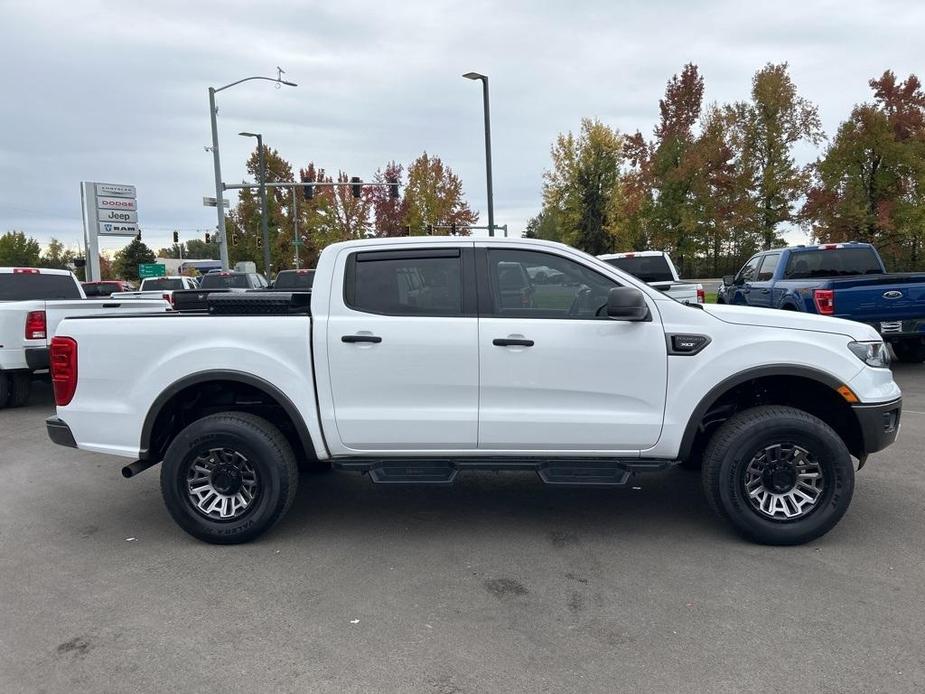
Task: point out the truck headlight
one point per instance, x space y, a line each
871 353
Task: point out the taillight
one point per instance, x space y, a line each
25 271
168 297
825 301
63 366
701 297
35 325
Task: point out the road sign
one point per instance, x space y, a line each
120 216
115 203
211 202
115 229
115 190
151 270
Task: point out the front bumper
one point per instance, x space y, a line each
59 432
879 424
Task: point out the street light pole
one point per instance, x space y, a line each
491 199
216 161
262 180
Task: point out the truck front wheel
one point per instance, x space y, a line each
910 351
228 477
779 475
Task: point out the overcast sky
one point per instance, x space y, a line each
117 91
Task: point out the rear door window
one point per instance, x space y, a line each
22 286
400 283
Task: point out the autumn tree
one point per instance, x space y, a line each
389 212
17 249
764 132
870 182
126 261
434 197
579 189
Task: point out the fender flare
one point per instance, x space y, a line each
717 391
222 375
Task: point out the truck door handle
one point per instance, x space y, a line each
511 342
765 291
361 338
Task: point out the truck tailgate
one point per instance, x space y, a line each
883 298
56 311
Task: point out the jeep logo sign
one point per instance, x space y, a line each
118 216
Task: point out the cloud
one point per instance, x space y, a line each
118 91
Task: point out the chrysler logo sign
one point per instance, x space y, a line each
892 294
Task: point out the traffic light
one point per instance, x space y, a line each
259 241
234 238
393 190
309 190
407 230
138 235
453 228
208 237
356 186
430 229
176 237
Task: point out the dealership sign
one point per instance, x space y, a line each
111 229
114 190
106 203
109 209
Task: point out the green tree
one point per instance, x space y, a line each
17 249
388 212
434 196
579 188
57 256
764 133
126 261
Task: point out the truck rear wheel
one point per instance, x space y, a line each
20 389
228 477
779 475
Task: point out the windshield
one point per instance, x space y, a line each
20 286
161 283
295 279
648 268
836 262
221 280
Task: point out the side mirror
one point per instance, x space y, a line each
729 280
627 304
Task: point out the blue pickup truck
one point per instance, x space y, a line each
847 280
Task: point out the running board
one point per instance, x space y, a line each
561 472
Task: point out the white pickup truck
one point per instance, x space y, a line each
159 288
656 269
410 361
32 303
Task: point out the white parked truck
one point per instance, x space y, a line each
32 303
656 269
159 288
412 360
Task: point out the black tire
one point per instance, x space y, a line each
909 351
4 389
265 452
742 438
20 389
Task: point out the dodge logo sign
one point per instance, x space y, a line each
892 294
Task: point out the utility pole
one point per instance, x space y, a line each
487 110
295 226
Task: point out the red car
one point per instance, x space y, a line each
105 287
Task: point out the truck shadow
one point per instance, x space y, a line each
655 504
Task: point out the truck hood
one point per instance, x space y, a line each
774 318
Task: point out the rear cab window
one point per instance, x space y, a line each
22 286
419 282
221 280
161 284
648 268
832 262
295 279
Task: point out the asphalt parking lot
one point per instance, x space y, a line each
497 584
